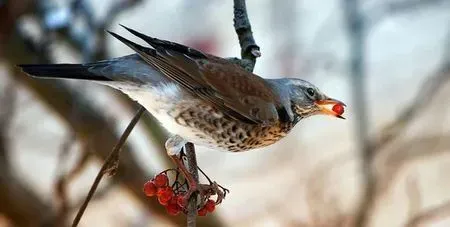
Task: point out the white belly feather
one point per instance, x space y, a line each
162 99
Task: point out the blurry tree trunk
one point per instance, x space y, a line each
356 33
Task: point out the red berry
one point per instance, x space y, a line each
202 212
210 205
338 109
159 191
150 188
165 195
173 209
181 201
161 180
163 201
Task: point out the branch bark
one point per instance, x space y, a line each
249 50
192 165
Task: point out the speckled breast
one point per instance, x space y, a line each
215 130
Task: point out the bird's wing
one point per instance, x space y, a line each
227 86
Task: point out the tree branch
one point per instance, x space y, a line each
249 50
109 166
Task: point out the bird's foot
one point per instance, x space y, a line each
204 191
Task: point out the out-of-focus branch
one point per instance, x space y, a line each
431 215
414 196
61 184
410 151
356 32
384 10
21 205
426 93
65 178
92 40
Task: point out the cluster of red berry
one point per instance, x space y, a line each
173 197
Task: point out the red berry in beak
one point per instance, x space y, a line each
338 109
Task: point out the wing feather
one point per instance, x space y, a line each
231 89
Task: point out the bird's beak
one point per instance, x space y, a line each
326 107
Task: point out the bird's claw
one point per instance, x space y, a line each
205 191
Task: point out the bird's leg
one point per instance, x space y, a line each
174 146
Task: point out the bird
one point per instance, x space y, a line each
200 98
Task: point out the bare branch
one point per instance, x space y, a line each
109 166
383 10
412 150
434 214
61 184
426 93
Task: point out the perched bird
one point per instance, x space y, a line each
201 98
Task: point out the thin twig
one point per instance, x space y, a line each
109 166
60 186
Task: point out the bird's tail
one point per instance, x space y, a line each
67 71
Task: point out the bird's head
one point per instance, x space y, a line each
308 100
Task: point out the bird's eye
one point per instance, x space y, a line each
310 92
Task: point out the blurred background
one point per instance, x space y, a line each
386 165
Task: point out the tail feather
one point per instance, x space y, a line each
67 71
